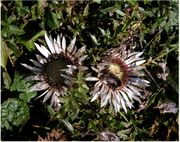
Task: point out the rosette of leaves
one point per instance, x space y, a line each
14 113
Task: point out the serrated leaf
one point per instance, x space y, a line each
14 113
52 21
22 86
19 84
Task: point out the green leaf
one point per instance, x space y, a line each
102 31
29 43
4 54
22 86
11 19
124 134
37 10
112 8
14 51
153 98
125 118
85 86
94 39
27 96
19 84
37 35
22 11
132 2
97 1
6 79
50 110
16 30
146 1
68 125
86 10
74 115
14 113
120 12
52 21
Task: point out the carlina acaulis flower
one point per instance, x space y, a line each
55 68
119 78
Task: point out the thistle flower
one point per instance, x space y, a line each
118 80
55 69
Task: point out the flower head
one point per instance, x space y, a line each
55 68
118 80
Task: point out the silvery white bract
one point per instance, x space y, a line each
119 78
55 68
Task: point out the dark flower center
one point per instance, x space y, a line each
53 71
